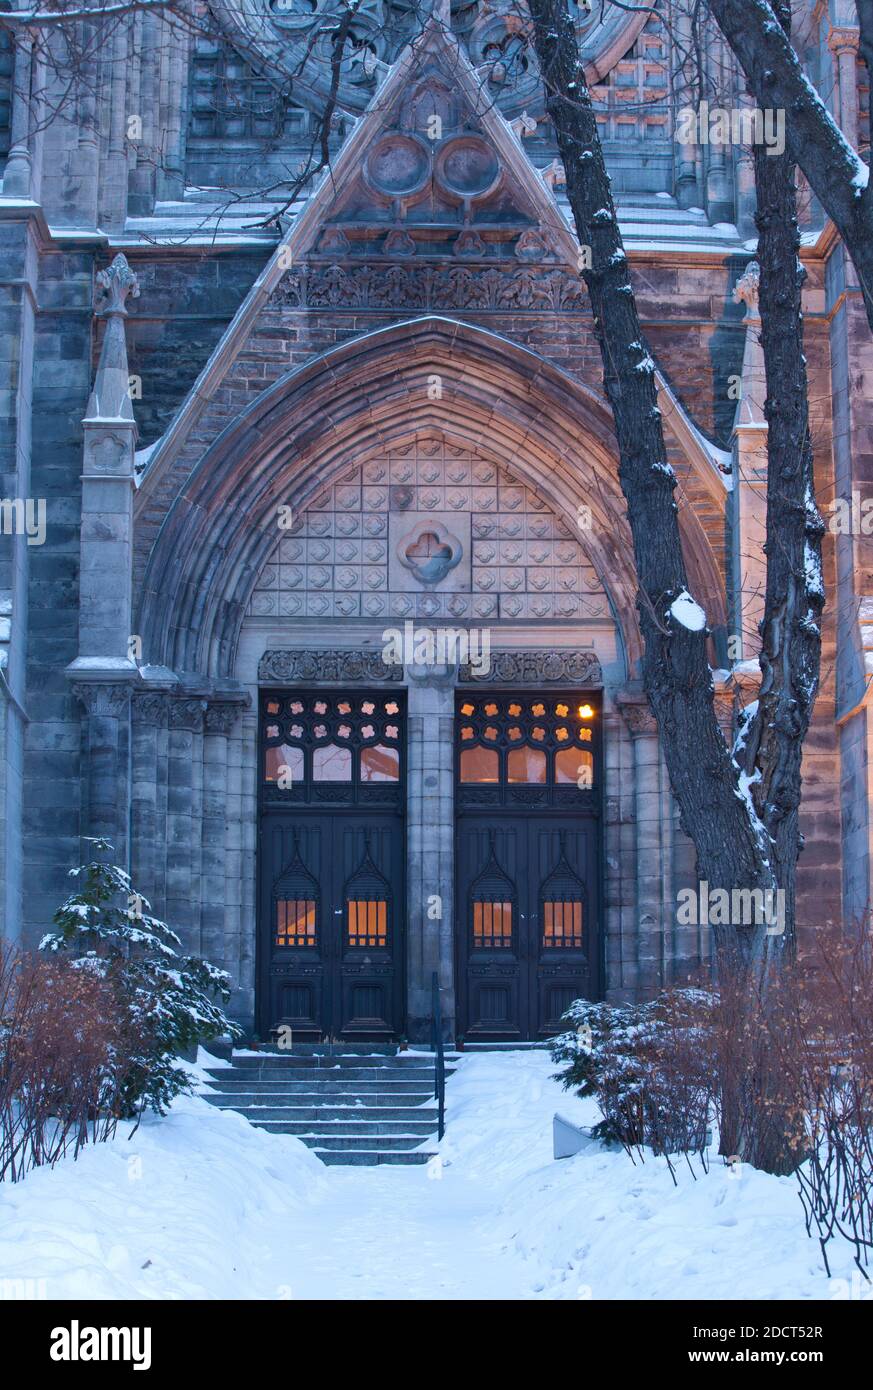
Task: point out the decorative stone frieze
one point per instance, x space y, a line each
286 667
380 285
537 668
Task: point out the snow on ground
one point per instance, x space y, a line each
201 1205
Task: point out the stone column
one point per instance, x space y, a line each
184 812
105 591
106 766
620 887
430 840
247 755
749 498
843 44
651 863
219 721
149 797
105 574
17 176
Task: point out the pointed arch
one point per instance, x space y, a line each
480 390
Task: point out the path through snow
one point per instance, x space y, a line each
201 1205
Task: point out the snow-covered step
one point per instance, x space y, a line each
354 1109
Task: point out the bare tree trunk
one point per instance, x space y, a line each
790 631
732 848
835 172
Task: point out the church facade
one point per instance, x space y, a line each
318 590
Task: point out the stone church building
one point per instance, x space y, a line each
330 621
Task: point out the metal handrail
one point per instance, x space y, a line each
439 1079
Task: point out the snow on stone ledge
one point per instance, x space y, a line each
687 612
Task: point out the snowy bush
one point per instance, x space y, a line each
168 1002
649 1066
61 1056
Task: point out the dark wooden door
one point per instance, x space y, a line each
331 899
527 862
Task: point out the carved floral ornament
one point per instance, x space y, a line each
296 37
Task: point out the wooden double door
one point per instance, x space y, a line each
527 860
331 892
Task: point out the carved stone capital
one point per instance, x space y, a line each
103 699
221 716
844 39
187 714
536 668
114 288
151 707
638 717
288 667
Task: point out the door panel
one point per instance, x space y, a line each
331 901
527 862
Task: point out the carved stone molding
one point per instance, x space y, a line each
283 666
537 668
151 708
187 714
392 286
103 699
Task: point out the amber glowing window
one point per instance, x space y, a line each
467 710
574 765
468 732
380 764
332 764
584 735
480 765
562 710
367 922
295 922
491 733
491 710
562 924
526 765
492 924
515 733
273 707
539 710
515 710
283 763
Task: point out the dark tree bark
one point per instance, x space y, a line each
813 138
790 631
732 849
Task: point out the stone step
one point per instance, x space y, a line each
322 1128
278 1073
317 1100
374 1142
328 1088
328 1114
366 1057
358 1108
370 1158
